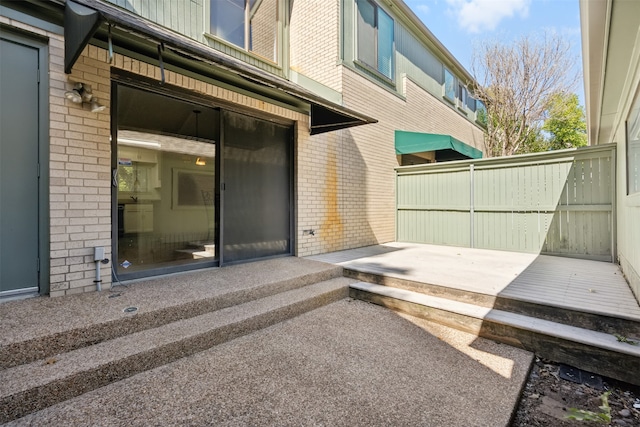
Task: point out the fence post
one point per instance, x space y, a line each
471 208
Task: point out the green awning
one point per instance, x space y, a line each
417 142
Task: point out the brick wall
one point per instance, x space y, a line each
315 41
347 184
79 168
347 188
345 179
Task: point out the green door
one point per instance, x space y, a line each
19 132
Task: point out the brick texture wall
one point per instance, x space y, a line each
80 177
315 41
347 178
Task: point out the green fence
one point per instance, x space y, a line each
555 203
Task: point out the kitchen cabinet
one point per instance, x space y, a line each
138 218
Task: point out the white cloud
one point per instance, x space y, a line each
476 16
423 8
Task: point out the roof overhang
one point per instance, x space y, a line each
445 146
594 22
87 20
610 33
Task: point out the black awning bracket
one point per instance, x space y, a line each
80 24
160 62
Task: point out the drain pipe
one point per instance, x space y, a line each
98 258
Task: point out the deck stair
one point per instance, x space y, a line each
199 250
187 313
590 341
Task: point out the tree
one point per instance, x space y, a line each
565 122
515 82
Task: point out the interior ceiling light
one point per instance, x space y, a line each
128 141
201 162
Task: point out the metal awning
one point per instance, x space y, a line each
446 146
83 19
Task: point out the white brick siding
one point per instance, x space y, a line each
315 41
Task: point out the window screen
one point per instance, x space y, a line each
462 96
366 32
385 44
449 86
257 188
375 36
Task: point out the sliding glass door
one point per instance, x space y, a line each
257 170
166 183
171 159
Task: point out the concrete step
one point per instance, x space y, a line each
28 388
620 324
590 350
81 320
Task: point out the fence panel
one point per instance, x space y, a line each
558 203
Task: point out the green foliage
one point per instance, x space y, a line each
601 417
622 338
481 114
565 122
534 143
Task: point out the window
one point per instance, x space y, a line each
375 38
249 24
633 148
471 103
165 150
462 97
481 113
449 86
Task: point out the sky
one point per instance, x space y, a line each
458 24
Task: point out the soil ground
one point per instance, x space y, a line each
547 400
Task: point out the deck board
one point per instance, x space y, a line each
591 286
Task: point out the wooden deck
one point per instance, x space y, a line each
581 285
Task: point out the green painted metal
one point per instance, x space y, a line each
557 203
417 142
189 18
24 159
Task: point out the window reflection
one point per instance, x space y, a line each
166 152
249 24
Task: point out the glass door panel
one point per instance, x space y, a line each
166 183
258 185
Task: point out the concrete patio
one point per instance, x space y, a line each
274 342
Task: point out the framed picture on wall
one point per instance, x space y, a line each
192 189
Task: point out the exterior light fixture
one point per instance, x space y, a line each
82 93
201 162
96 107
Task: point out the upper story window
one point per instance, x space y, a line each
471 103
462 97
375 38
481 113
249 24
449 86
